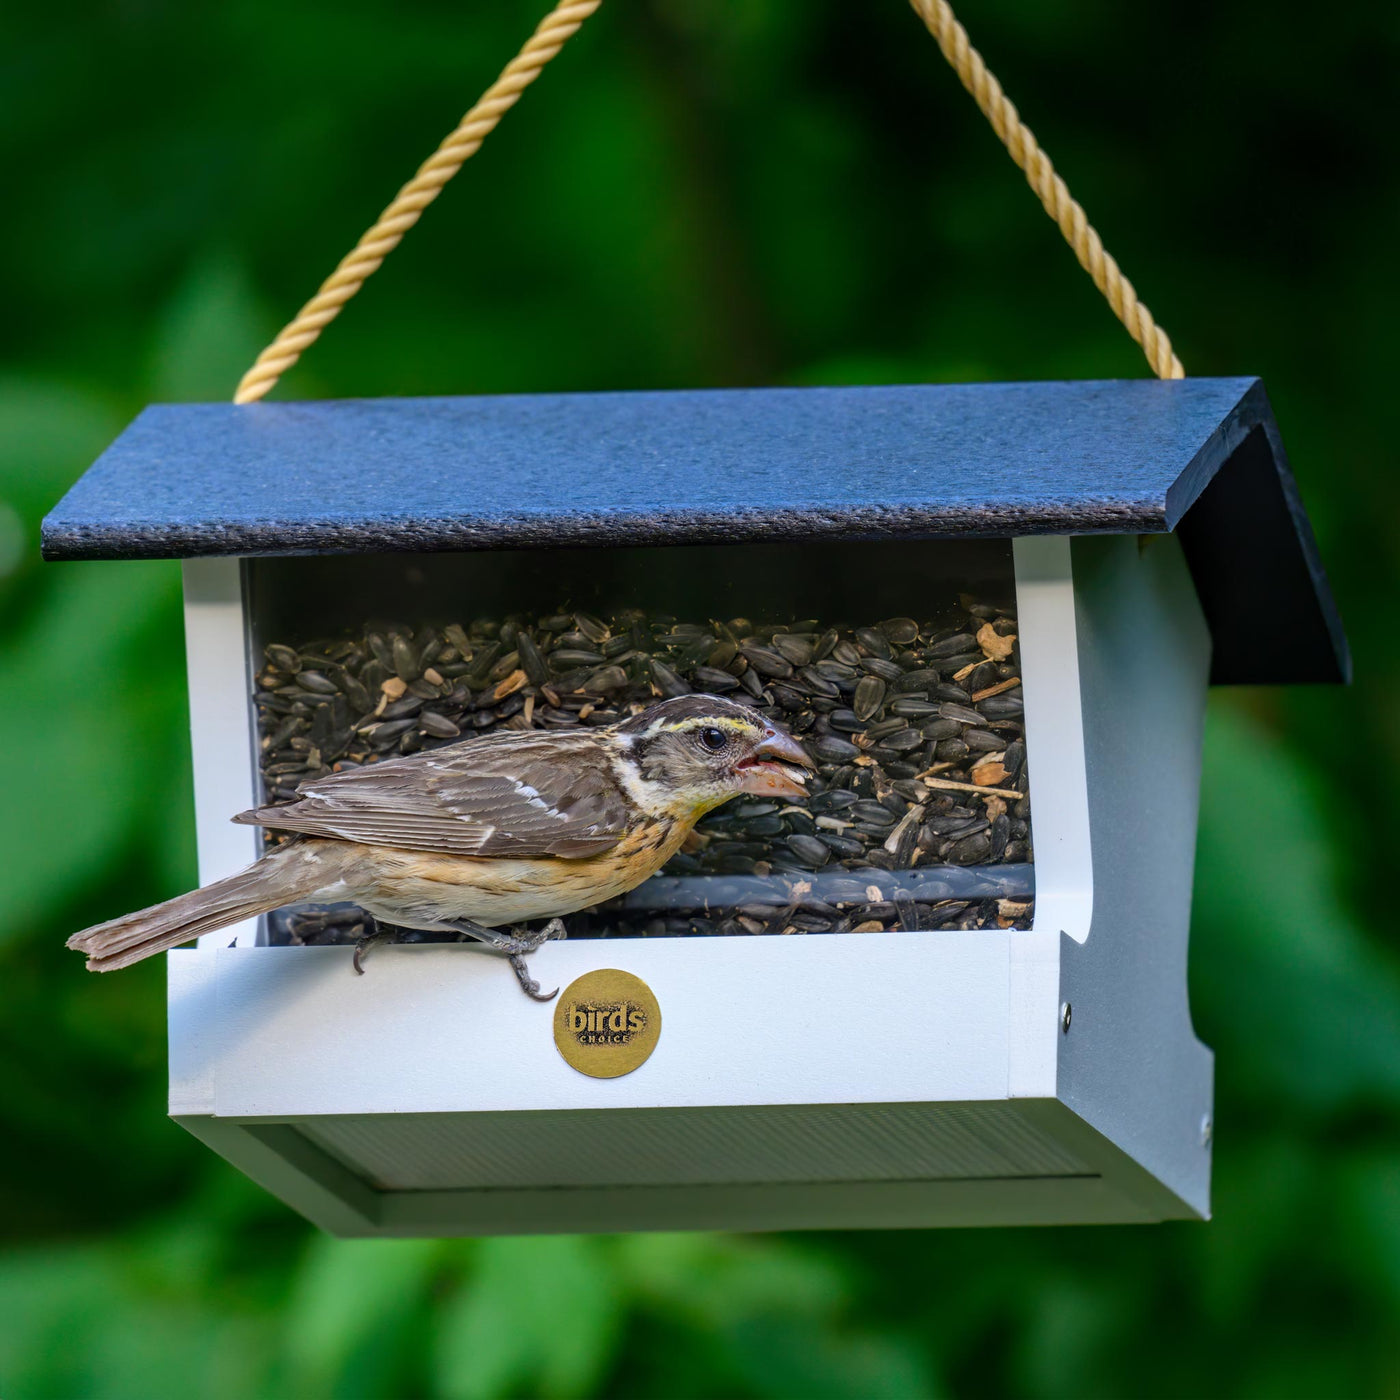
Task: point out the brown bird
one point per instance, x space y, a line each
488 833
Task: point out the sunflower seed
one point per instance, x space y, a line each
382 735
567 658
971 850
708 678
667 681
902 631
439 726
797 651
531 661
752 682
937 729
830 749
961 713
316 682
767 663
982 740
721 655
808 849
405 659
912 682
606 679
844 847
908 708
892 725
902 740
284 658
1002 706
594 628
872 642
868 697
951 646
878 666
980 677
817 684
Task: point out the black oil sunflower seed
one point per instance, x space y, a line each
870 693
830 749
716 681
767 663
317 682
667 681
439 726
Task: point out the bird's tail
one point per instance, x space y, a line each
283 876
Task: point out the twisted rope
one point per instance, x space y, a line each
1054 194
554 31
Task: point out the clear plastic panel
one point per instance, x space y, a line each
895 663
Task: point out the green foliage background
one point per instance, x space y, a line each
760 191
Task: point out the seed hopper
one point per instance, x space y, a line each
950 989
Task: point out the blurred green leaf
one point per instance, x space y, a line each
540 1314
209 334
1321 1018
347 1316
112 736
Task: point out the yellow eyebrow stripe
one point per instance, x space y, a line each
739 726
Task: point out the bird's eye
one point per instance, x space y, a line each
713 739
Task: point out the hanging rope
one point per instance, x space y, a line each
1054 194
554 31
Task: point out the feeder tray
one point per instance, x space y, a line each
1147 538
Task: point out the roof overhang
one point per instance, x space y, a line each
1197 456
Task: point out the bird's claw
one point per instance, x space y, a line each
528 985
363 945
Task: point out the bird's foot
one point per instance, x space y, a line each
373 934
515 944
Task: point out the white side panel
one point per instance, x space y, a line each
843 1018
191 995
1131 1064
1034 1012
1064 875
217 659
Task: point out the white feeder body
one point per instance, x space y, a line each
830 1081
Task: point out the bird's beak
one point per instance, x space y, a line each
774 769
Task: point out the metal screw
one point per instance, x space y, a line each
1066 1016
1207 1130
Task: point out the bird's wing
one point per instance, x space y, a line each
526 794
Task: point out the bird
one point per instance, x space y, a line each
479 837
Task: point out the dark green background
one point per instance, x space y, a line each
747 192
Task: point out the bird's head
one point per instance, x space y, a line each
692 753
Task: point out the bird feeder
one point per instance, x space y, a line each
1124 544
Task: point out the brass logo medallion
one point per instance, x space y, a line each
606 1023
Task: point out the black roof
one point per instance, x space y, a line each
1201 456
